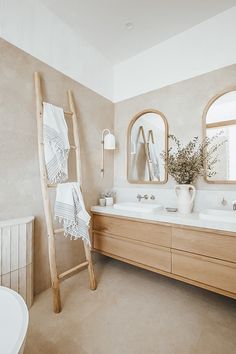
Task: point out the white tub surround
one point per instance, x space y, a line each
13 322
173 218
16 256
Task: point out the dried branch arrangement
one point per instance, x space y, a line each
185 163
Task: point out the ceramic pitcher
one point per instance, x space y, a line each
185 197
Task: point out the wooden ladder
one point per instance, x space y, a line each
51 231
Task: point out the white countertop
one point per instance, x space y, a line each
169 217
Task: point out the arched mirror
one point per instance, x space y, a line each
219 119
147 139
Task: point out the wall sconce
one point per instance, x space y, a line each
108 143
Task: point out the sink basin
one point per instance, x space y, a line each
138 207
218 215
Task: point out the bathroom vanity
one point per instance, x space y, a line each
195 251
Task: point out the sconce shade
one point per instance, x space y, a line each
109 142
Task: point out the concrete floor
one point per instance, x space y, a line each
133 311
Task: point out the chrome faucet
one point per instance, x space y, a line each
139 197
234 204
224 202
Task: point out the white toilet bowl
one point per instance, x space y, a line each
14 318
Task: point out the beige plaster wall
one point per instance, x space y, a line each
182 104
20 193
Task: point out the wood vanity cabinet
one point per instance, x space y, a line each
202 257
144 243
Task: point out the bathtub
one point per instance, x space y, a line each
14 320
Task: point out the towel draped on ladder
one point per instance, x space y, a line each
56 143
69 205
70 210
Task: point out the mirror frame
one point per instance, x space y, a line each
136 117
206 109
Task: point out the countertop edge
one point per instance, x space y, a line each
192 223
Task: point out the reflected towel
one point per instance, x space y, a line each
70 210
56 143
153 162
139 162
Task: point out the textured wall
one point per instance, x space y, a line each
20 193
55 43
182 104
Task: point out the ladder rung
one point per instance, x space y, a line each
68 113
52 185
67 272
71 146
58 231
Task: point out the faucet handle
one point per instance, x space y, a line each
234 204
139 197
224 202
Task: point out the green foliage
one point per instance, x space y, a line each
186 163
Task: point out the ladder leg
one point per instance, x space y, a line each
46 200
78 173
92 280
56 298
54 276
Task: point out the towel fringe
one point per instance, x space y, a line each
71 229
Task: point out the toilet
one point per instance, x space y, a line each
14 320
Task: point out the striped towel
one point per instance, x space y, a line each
153 162
56 143
70 210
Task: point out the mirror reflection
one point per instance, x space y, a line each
147 139
220 120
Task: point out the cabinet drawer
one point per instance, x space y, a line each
154 256
213 272
135 230
205 243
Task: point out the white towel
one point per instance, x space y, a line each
70 210
153 162
56 143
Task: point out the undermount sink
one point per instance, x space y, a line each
138 207
218 215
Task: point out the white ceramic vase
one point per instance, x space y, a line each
185 197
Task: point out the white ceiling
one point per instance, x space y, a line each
102 22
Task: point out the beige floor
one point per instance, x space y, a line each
133 311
